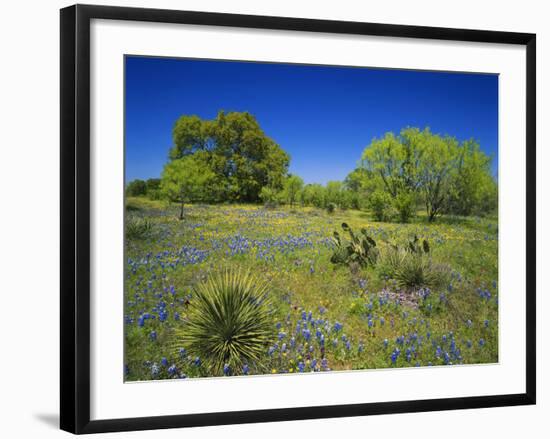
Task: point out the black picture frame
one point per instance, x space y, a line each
75 217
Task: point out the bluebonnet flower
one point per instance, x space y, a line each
486 323
153 335
182 352
301 366
322 310
307 334
164 361
126 369
245 369
481 342
361 347
154 370
469 323
348 345
338 326
394 355
382 321
172 370
438 352
226 369
385 342
370 323
278 325
197 361
313 364
324 364
281 335
469 343
176 316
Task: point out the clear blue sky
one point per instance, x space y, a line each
323 116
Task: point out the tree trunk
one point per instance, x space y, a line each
181 210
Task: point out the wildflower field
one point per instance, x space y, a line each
321 315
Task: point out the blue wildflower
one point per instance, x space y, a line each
226 369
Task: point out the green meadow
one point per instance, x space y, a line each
425 294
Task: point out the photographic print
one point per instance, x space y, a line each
291 218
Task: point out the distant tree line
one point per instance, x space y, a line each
149 188
230 159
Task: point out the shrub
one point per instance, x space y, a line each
379 203
270 197
331 207
413 270
358 250
229 322
138 228
405 205
416 271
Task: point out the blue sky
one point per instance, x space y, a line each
323 116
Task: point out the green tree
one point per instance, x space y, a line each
241 154
415 162
152 188
188 179
292 187
435 170
334 192
313 195
473 188
385 159
136 188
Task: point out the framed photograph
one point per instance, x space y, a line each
268 218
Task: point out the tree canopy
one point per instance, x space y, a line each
188 179
448 176
237 151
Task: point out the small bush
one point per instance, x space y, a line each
229 322
405 205
413 270
138 228
331 207
270 196
379 203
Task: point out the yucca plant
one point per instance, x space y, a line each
138 228
229 322
413 270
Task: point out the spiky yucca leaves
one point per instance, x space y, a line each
413 270
138 228
229 322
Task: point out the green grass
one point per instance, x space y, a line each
290 251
